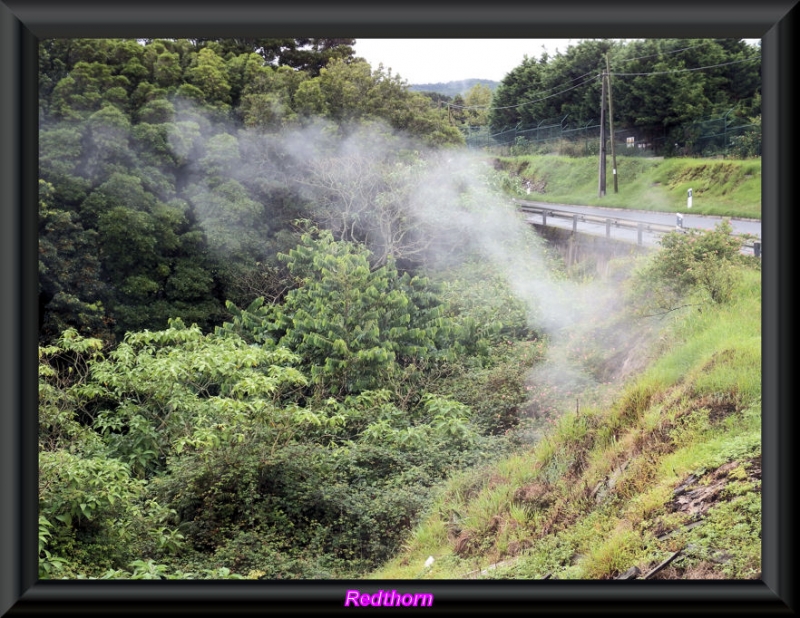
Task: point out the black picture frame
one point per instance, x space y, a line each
23 22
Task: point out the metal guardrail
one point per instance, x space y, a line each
618 222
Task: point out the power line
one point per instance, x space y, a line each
672 51
624 60
599 76
710 66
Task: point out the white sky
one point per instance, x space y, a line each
429 61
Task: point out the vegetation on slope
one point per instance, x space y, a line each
274 320
299 440
171 171
730 188
670 468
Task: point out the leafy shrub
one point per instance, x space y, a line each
306 511
94 516
159 393
692 262
355 327
498 395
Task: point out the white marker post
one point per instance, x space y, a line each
689 199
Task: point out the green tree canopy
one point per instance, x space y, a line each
657 84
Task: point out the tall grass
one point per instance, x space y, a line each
594 496
723 188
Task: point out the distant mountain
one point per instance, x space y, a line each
451 89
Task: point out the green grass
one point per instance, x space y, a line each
595 496
719 187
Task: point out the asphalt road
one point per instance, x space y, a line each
740 226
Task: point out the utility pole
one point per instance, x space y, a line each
601 190
611 126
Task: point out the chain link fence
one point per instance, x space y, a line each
721 136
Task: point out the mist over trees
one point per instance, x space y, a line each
139 143
248 354
141 138
279 304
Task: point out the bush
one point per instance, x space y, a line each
306 511
697 261
95 516
354 326
498 395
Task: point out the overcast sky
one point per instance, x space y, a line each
429 61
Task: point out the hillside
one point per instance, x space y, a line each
664 473
284 317
719 187
453 88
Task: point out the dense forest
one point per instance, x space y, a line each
163 143
279 304
160 195
247 351
659 86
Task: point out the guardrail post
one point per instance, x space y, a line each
574 223
544 217
608 228
757 248
639 228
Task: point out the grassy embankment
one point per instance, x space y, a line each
672 465
719 187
